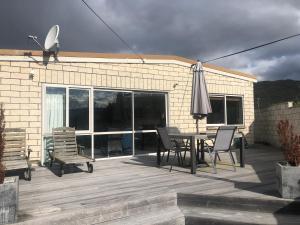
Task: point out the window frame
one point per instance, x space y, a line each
225 110
91 131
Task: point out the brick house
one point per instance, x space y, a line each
115 101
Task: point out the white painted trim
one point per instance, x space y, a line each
218 72
126 61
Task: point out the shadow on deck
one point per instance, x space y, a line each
119 180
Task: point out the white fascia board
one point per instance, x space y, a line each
126 61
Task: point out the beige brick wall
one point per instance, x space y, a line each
266 121
22 97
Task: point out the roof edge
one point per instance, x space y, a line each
18 52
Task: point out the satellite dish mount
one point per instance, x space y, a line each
51 45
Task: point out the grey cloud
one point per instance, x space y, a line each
194 29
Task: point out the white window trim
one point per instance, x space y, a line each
91 116
225 110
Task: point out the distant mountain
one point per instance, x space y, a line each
267 93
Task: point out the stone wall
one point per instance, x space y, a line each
22 96
266 121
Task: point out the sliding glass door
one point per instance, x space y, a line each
112 123
108 123
149 113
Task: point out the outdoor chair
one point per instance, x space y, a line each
65 149
170 146
16 154
222 144
181 143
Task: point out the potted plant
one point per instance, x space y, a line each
288 171
9 187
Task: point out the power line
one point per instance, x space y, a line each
112 30
249 49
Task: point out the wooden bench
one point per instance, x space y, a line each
66 150
16 153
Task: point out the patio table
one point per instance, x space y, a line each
201 137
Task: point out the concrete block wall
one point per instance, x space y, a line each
22 96
266 121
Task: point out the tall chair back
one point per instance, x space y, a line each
164 137
224 138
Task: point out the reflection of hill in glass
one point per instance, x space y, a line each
267 93
79 98
112 110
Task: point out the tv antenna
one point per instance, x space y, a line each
51 44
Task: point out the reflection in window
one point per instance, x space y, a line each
234 110
84 143
79 109
55 115
112 111
48 146
145 143
112 145
217 115
149 110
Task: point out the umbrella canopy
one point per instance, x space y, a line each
200 106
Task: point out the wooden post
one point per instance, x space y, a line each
193 155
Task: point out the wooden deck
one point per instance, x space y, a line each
120 179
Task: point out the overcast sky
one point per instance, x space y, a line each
196 29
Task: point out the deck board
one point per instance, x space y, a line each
119 179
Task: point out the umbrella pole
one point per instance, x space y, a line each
197 126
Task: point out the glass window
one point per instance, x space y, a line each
112 145
112 111
84 143
149 110
79 109
234 107
145 143
217 115
55 113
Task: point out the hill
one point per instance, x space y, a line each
267 93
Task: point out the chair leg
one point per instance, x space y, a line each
178 158
184 155
215 158
168 156
163 155
232 157
213 161
232 160
218 156
181 158
171 163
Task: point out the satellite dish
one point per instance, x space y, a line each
51 40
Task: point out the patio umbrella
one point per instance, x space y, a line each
200 106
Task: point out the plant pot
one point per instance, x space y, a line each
288 180
9 198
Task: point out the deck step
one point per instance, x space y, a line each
138 209
216 216
226 209
271 205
